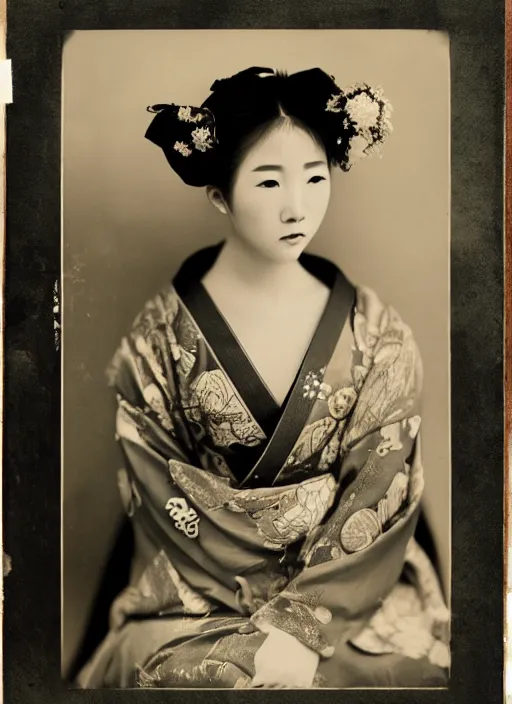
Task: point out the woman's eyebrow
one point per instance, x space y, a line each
314 164
277 167
269 167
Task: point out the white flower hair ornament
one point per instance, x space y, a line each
185 133
364 116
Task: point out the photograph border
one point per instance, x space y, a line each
32 397
507 444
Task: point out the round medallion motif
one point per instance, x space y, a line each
360 530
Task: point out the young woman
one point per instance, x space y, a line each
269 416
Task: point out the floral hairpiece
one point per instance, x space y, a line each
201 138
367 114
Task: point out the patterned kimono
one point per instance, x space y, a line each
253 515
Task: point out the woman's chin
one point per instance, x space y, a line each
286 251
279 251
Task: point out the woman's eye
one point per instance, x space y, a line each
316 179
269 183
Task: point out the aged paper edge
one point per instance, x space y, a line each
508 356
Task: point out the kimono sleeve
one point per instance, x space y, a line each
152 432
150 372
146 400
357 556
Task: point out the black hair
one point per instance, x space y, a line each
239 111
250 104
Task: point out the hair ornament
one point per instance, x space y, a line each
184 131
201 137
368 112
186 114
182 148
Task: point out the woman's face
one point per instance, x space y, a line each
280 193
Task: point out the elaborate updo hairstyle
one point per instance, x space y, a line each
204 145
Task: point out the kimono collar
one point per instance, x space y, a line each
279 423
198 264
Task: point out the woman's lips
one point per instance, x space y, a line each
294 237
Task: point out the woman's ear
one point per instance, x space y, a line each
217 199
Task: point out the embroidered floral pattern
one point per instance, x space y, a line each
366 334
295 513
391 440
163 569
325 433
160 590
128 426
182 335
208 492
162 587
363 497
341 402
153 316
414 426
314 386
280 515
360 530
429 590
312 439
391 504
296 619
155 401
210 673
227 420
332 450
401 625
390 363
313 499
184 358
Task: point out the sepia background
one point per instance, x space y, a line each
128 222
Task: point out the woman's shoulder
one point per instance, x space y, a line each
370 305
146 327
378 313
385 340
377 325
157 311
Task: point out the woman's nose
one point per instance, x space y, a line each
293 209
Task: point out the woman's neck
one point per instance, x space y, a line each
245 270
